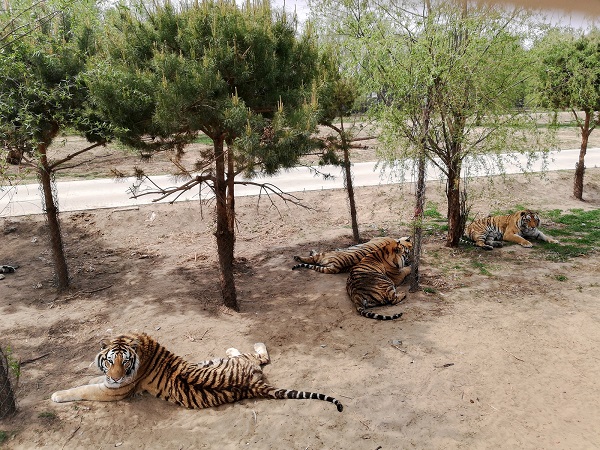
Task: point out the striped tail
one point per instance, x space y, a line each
321 269
371 315
272 392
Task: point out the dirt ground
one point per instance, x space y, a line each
502 359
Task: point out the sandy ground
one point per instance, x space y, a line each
507 359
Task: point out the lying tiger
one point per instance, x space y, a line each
372 282
135 363
490 231
341 260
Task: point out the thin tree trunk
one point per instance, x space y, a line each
580 166
418 224
8 405
453 196
420 201
51 209
348 183
224 234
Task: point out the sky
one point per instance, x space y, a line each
577 14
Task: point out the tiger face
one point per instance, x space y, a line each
529 221
118 362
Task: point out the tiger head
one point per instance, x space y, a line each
403 250
119 361
529 220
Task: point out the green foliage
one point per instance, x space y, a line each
13 364
569 70
560 278
471 83
234 73
44 49
3 436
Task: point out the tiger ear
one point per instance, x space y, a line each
103 344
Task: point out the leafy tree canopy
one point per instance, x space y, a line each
43 49
238 74
569 70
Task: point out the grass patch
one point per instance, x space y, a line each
431 212
433 221
3 436
578 236
203 139
560 278
483 270
48 415
429 290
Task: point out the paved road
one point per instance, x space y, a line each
108 193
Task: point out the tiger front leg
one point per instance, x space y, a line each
400 276
518 240
98 392
97 380
542 237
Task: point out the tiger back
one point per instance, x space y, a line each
372 282
136 362
491 231
340 260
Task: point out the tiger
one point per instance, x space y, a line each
372 282
134 363
342 259
490 231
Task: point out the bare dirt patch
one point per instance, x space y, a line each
499 360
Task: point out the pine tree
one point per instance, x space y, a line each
237 74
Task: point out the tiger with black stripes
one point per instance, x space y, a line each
135 363
341 259
491 231
372 282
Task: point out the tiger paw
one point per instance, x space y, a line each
261 351
527 245
232 352
260 348
59 397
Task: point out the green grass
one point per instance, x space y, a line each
431 212
578 236
3 436
433 221
483 270
203 139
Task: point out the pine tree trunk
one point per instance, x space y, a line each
224 233
580 166
51 209
8 405
350 188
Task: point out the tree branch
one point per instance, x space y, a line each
73 155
